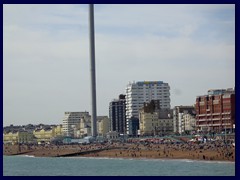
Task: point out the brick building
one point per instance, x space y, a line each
215 112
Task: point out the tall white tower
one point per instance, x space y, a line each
92 70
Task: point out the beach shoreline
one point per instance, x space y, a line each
124 158
204 152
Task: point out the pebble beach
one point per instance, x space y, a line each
217 151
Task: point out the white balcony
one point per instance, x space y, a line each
200 120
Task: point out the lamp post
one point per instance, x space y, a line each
225 138
18 141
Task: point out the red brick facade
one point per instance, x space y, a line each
215 112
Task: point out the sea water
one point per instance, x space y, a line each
85 166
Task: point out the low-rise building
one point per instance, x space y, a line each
85 127
155 121
58 130
189 122
112 135
46 134
165 127
147 123
43 135
102 125
18 137
178 121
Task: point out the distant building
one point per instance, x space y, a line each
43 135
85 126
13 128
73 119
47 134
189 122
86 131
165 122
117 114
220 91
18 137
102 125
144 91
147 123
216 111
58 130
77 133
112 135
133 124
155 121
178 121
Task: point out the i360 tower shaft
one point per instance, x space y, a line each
92 71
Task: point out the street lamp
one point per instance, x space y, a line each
225 138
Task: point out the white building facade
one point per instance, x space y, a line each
144 91
72 120
189 122
178 120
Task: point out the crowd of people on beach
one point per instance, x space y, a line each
134 148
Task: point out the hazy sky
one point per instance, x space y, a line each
46 55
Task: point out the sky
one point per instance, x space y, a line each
46 69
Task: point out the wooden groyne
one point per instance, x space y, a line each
88 152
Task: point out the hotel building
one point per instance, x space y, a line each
144 91
215 111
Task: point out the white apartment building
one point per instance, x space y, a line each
178 120
189 122
72 120
144 91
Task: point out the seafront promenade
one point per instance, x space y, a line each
216 150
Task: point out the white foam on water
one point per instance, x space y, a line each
31 156
150 159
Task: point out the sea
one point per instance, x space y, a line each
87 166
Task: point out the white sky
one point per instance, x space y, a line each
46 55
